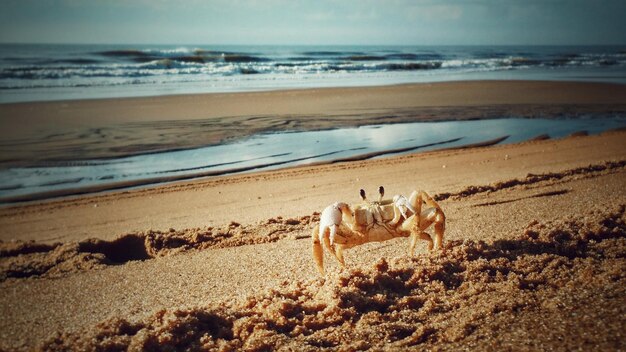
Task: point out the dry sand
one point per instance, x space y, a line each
535 259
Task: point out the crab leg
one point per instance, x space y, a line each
339 255
438 218
318 252
413 241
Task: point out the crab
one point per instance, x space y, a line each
343 226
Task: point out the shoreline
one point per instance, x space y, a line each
154 182
251 197
192 94
62 131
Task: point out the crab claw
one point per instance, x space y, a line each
333 232
403 204
330 219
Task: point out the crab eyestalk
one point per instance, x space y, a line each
362 194
381 191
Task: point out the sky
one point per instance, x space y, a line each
315 22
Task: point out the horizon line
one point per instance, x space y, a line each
285 44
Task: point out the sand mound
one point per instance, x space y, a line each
582 172
547 288
28 259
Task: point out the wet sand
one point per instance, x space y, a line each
72 191
534 255
53 132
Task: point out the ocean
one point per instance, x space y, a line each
58 72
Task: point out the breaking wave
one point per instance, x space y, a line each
131 65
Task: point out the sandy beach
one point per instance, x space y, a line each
49 132
534 244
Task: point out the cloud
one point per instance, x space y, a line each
434 12
315 21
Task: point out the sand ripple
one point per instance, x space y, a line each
32 259
581 172
546 288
